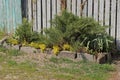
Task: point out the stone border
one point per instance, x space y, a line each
100 58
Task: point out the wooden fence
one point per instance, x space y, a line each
10 14
107 12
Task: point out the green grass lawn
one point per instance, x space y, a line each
51 69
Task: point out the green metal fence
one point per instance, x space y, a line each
10 14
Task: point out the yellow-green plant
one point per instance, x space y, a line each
67 47
24 43
56 49
35 45
12 41
42 47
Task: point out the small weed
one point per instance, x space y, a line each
1 58
2 49
54 60
65 60
12 63
13 52
64 76
27 65
61 60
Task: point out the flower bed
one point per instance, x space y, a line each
67 34
100 58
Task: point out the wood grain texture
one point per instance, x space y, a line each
113 18
90 8
96 10
118 25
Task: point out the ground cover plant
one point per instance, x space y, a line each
28 67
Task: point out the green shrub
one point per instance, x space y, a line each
56 34
91 32
61 22
79 32
35 37
24 31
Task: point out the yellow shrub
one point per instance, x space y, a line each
56 49
66 47
42 47
24 43
13 41
35 45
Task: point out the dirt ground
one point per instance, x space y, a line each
41 58
116 74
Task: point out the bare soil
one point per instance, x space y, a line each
116 74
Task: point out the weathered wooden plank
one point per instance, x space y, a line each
4 15
18 14
0 13
101 11
107 13
90 8
96 9
39 15
54 8
48 13
78 7
118 25
29 10
74 7
69 5
9 13
44 13
34 16
2 10
85 8
113 17
5 21
58 7
13 16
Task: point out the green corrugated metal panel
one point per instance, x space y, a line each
10 14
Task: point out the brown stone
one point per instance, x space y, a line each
67 54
